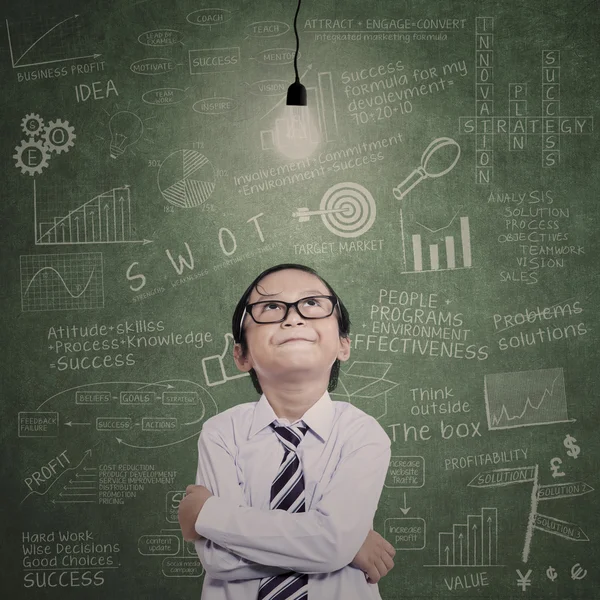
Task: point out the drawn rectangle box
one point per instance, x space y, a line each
181 566
113 423
485 126
216 60
38 424
405 533
483 174
267 139
550 91
484 107
172 500
517 91
484 24
92 397
517 108
550 158
550 108
550 75
78 216
158 545
490 535
484 158
583 125
551 143
551 58
445 543
159 424
137 397
460 535
483 74
47 232
483 141
475 541
406 472
484 41
180 398
484 57
91 220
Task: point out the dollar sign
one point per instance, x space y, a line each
551 573
573 449
555 465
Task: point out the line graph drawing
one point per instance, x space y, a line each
106 218
86 456
525 398
50 44
62 281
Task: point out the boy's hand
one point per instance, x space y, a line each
374 557
189 509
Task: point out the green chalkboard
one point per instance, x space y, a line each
446 185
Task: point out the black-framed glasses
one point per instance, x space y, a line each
276 311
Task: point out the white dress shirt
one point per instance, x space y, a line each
344 456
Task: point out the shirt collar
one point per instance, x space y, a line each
319 417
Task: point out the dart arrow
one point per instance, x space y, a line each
304 214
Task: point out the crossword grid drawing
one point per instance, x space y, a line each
518 125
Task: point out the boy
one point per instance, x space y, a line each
287 487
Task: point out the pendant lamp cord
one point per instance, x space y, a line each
297 41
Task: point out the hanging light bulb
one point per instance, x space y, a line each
296 130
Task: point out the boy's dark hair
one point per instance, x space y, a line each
240 338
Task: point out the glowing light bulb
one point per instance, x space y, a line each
297 133
125 129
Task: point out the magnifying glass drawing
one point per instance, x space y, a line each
450 156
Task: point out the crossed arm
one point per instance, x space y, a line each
236 541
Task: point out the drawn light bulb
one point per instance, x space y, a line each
297 134
125 130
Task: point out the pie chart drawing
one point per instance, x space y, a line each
186 178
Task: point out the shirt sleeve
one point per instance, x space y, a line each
217 472
323 539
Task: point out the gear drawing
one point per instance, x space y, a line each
59 136
36 156
32 125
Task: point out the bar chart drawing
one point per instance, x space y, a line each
420 252
322 98
525 398
62 281
103 219
470 544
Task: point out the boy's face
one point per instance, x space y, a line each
297 346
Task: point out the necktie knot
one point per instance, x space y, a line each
290 435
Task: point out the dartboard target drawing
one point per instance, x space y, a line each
348 209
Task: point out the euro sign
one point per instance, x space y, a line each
577 572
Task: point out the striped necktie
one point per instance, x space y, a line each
287 493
